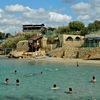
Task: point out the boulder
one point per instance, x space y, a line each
59 53
16 54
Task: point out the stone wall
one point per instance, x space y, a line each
70 52
44 42
73 43
63 40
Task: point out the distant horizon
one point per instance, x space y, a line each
52 13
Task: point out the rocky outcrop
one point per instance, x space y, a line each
74 52
90 53
64 52
23 54
16 54
59 52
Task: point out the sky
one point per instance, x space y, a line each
52 13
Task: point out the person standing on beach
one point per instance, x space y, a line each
77 64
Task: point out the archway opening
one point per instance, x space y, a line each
69 38
77 39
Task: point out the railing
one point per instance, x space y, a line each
90 45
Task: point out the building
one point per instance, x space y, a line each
92 40
33 28
4 51
71 40
34 43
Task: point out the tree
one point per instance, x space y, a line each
26 35
8 35
95 26
11 42
51 29
84 31
43 30
76 26
91 27
2 35
63 29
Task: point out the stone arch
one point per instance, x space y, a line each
77 38
69 38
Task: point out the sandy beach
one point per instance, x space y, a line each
71 61
67 61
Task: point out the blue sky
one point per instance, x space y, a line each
53 13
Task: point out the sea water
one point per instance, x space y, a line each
37 79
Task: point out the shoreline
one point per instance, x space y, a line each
66 61
3 56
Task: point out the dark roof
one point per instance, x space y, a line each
98 38
30 25
6 48
35 38
92 38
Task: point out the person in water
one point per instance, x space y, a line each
69 91
6 81
55 87
41 72
17 82
15 71
93 80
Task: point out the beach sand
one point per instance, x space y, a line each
67 61
71 61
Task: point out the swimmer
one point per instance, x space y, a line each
93 80
15 71
55 87
17 82
69 91
6 81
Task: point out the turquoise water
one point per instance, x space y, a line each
37 86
